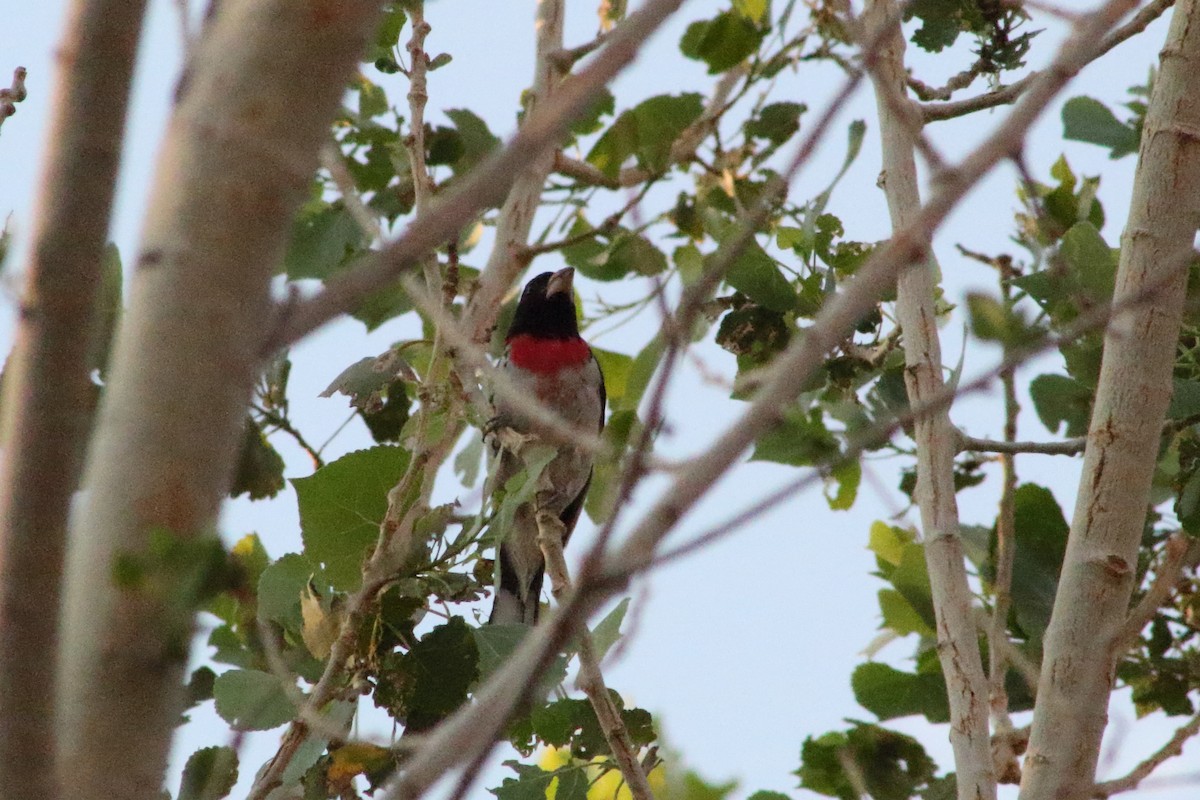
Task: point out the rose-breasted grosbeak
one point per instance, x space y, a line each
546 357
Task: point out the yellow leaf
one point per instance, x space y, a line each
320 626
351 760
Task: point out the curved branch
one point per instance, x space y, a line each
1172 748
934 112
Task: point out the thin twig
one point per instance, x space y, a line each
281 422
331 160
1067 447
1181 552
1172 748
1004 758
934 112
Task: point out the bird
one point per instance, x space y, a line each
547 358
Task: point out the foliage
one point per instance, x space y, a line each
706 184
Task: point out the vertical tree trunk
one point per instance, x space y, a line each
958 647
49 396
1135 387
253 107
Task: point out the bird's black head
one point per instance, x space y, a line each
547 307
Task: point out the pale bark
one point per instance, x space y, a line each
254 106
48 396
524 199
591 679
935 436
1134 389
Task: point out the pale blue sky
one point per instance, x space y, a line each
744 650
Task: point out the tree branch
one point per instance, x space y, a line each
1172 748
1123 439
934 112
49 396
164 453
1181 552
1004 756
591 680
473 729
958 648
1068 447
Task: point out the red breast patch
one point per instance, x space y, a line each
546 355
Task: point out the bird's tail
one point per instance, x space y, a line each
516 601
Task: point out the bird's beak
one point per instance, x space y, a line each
561 282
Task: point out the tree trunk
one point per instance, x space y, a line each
49 396
1098 572
253 107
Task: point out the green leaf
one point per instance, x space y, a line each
644 365
763 794
439 61
615 367
899 616
533 783
722 42
468 461
801 440
889 693
615 145
942 21
622 425
753 333
250 700
387 36
382 306
210 774
477 140
1093 263
496 643
324 237
855 133
911 579
341 507
1086 119
888 542
200 686
1185 400
776 122
660 120
279 589
633 255
372 99
590 121
608 631
891 766
260 467
847 476
1041 541
756 275
430 681
1060 400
